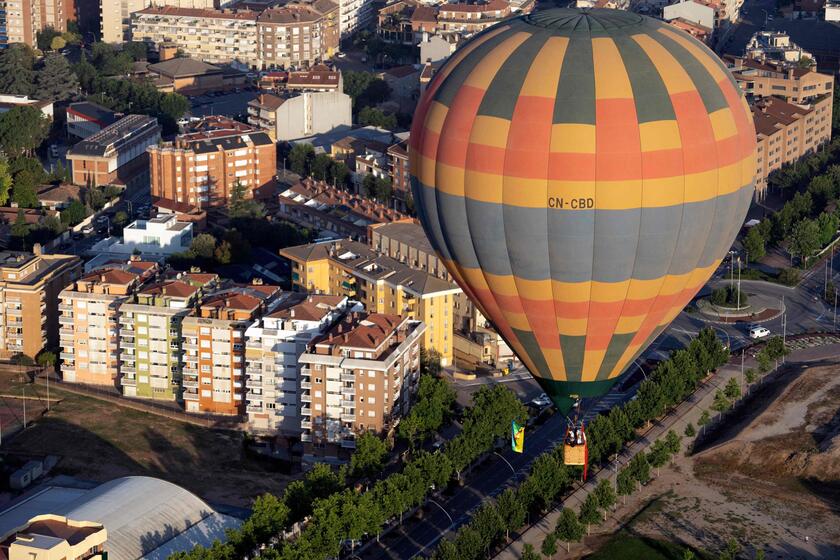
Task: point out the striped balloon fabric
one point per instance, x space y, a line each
582 173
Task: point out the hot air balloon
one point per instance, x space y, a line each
582 173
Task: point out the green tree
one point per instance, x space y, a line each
369 456
321 167
300 159
605 494
528 552
549 545
750 375
87 75
804 240
20 228
74 213
370 116
55 80
731 551
5 181
44 38
487 522
121 219
789 276
22 129
24 192
239 206
46 359
203 245
689 430
625 482
721 403
705 418
568 528
755 244
732 389
355 83
173 105
511 509
589 511
688 554
377 188
16 70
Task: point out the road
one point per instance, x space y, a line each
751 22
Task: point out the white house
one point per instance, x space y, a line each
158 237
691 11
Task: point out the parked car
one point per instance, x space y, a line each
759 332
541 401
88 229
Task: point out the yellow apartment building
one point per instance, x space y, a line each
382 284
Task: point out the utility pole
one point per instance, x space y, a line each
742 367
24 406
784 329
48 391
739 283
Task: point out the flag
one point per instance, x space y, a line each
517 437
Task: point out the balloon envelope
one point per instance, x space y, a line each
582 173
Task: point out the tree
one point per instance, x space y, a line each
750 375
721 403
528 553
487 522
731 551
44 38
688 554
24 191
46 359
300 159
689 430
321 167
568 528
203 245
16 74
705 418
589 513
732 389
20 228
789 276
58 43
222 253
549 545
377 188
625 482
605 494
511 509
74 213
755 244
5 181
241 207
22 129
370 116
173 106
55 80
369 456
121 219
804 240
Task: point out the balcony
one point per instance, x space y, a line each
348 443
190 396
306 438
191 383
186 346
252 396
67 356
348 404
65 307
65 319
253 370
306 397
255 381
305 384
348 377
128 382
254 409
350 418
348 392
65 332
306 424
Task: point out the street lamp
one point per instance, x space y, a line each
499 455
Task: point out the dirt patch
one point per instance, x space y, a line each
99 441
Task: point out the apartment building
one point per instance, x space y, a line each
775 45
332 211
399 172
306 103
772 78
24 19
29 288
382 284
354 15
115 15
298 34
47 537
89 333
787 132
200 168
115 154
214 347
359 376
274 345
471 17
215 36
150 335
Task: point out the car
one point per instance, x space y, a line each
759 332
88 229
541 401
341 55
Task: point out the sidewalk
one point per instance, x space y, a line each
688 411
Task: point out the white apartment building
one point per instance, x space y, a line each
115 15
214 36
775 45
353 15
274 344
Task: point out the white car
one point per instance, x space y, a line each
541 401
759 332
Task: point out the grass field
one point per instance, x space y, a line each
624 546
98 440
